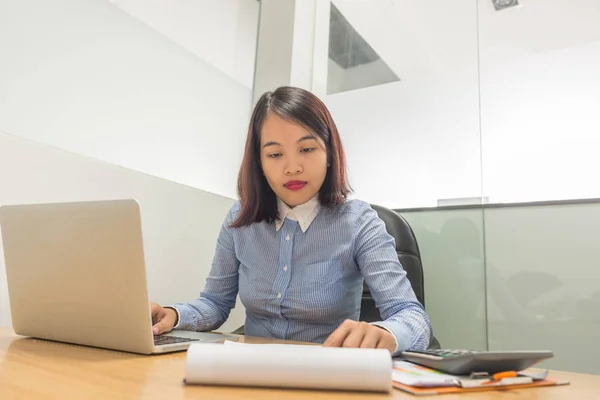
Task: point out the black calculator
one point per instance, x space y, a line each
465 362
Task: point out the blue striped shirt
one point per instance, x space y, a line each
301 285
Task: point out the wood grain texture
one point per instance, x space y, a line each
37 369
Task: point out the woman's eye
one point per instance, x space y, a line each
274 155
308 149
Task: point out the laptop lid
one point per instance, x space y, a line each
76 273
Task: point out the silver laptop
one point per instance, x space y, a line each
76 274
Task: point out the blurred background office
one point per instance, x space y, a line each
476 120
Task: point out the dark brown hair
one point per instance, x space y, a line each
258 201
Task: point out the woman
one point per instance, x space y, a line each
296 250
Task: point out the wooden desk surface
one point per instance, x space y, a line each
37 369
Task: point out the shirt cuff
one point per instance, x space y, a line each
177 323
399 332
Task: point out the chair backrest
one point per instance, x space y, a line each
408 254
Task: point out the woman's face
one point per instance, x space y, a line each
293 160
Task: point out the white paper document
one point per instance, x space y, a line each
289 366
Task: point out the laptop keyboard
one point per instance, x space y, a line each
162 339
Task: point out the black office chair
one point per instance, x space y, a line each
409 255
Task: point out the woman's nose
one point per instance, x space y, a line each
293 169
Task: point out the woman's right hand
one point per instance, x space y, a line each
163 319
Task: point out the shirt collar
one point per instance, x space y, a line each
303 213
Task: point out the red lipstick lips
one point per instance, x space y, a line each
295 185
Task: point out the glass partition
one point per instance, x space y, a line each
459 115
402 84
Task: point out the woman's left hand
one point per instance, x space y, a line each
361 334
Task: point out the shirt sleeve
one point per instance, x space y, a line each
211 309
402 314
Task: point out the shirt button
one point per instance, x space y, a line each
285 268
278 295
287 237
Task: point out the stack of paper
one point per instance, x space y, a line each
417 379
291 366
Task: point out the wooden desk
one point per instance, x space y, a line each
36 369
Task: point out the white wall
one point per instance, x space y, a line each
149 100
180 223
532 73
412 142
88 77
539 99
274 48
285 48
222 33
